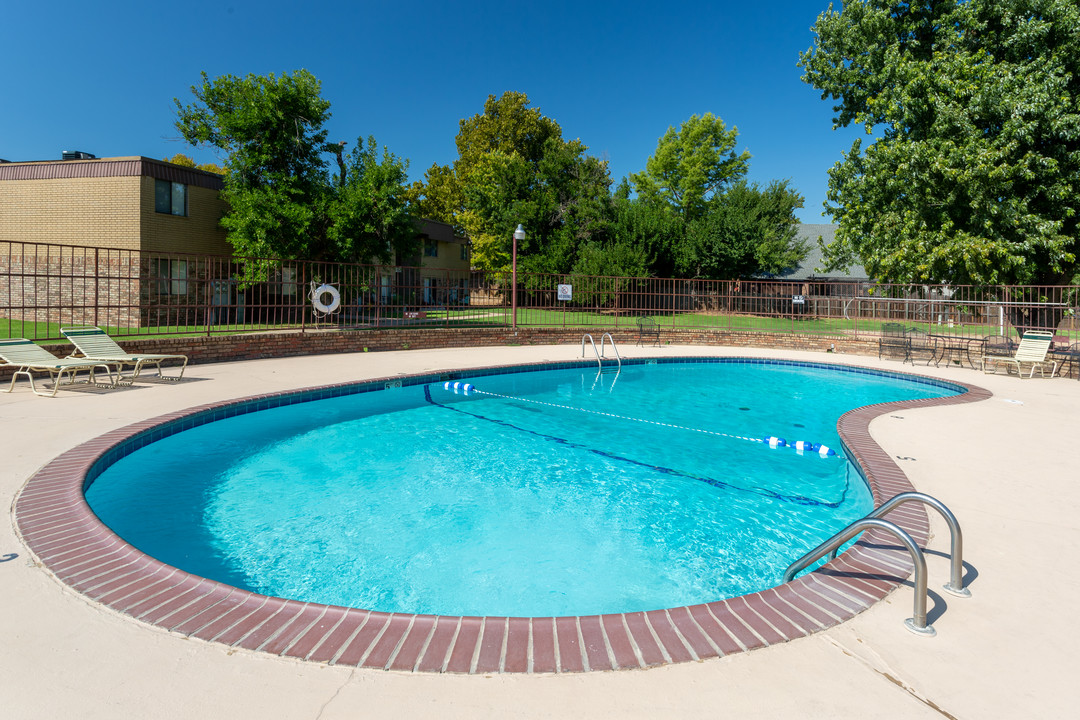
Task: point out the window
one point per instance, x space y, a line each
170 276
464 251
288 281
431 248
170 198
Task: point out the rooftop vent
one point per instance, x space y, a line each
77 155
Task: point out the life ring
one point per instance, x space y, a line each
318 304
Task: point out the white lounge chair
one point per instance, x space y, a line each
27 358
1032 351
95 344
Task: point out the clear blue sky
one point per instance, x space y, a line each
101 77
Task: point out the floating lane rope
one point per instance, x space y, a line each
799 446
764 492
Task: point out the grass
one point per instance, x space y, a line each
529 317
45 332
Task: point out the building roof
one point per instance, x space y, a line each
134 166
810 267
438 230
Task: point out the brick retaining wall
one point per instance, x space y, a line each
223 348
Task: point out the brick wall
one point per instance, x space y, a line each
291 344
96 211
70 286
196 233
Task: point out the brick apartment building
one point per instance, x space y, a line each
133 241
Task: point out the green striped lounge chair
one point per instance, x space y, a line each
28 358
93 343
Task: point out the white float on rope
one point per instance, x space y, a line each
317 302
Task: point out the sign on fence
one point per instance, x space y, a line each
566 292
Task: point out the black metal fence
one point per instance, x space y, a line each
44 287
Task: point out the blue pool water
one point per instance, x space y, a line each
555 492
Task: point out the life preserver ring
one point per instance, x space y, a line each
317 301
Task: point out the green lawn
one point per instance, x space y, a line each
501 317
50 332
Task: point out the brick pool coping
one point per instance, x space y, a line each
56 523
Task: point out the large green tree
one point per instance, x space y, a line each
729 227
691 165
747 231
284 202
368 213
974 174
514 167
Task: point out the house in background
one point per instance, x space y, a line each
102 238
137 242
804 289
837 282
445 262
124 203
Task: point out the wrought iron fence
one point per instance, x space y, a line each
44 287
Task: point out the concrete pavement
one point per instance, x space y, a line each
1007 467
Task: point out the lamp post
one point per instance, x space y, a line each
519 234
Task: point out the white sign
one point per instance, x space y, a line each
566 292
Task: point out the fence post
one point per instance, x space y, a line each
97 286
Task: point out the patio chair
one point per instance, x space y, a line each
894 340
94 343
1070 357
999 346
920 343
1032 351
647 328
27 358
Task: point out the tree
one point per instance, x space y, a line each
369 215
747 231
974 177
438 196
691 165
283 200
507 125
184 161
651 228
514 167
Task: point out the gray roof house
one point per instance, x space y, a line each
809 268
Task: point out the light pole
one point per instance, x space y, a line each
519 234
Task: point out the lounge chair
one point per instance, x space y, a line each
1032 351
27 358
95 344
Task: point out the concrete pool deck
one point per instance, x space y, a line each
1005 466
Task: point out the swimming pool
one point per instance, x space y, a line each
543 493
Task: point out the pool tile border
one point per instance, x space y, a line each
58 526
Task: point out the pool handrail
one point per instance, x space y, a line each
916 623
613 348
600 353
955 586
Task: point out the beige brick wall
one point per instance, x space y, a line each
98 212
197 233
109 212
449 258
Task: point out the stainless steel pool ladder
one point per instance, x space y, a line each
600 357
955 586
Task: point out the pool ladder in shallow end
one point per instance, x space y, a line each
955 586
600 357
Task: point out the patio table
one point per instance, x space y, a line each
954 346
